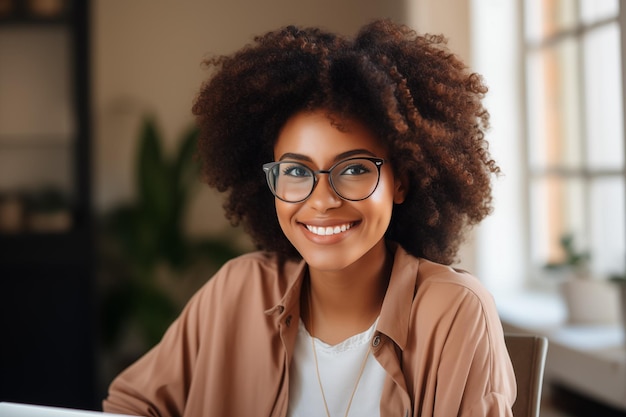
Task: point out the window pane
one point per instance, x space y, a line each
594 10
557 208
544 18
553 112
608 228
603 93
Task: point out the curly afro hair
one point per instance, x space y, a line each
415 95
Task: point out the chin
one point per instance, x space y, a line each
328 260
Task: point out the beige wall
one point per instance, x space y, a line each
147 56
447 17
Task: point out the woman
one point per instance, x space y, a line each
373 151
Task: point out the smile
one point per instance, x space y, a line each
329 230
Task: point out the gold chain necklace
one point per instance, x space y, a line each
317 369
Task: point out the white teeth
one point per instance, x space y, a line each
327 231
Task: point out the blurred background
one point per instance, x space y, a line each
105 229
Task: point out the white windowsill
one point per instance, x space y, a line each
590 359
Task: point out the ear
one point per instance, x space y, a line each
401 187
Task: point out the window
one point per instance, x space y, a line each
574 131
554 74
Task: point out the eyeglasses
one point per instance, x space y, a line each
353 179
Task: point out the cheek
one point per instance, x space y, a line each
379 208
284 212
382 201
384 194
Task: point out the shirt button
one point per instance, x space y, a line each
288 321
376 341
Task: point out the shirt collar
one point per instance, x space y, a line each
293 273
395 312
396 309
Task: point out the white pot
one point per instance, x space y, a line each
591 301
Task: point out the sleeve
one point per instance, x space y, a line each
475 376
158 383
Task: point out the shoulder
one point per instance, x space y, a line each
250 264
251 275
429 278
440 293
435 292
453 297
435 278
258 266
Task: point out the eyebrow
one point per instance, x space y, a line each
343 155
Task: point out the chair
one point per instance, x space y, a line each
528 355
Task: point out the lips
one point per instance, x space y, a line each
329 230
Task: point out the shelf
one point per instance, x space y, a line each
46 277
35 141
32 21
39 142
20 12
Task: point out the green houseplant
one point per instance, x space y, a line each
574 263
146 256
588 300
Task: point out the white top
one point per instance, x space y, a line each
339 367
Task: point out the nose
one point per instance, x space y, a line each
324 196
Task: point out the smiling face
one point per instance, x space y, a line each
329 232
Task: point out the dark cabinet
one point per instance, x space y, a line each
47 300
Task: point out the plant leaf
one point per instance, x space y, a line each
186 168
153 177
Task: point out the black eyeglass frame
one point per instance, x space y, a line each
267 167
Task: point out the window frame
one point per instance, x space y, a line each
582 171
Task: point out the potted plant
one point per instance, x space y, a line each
575 262
149 265
588 300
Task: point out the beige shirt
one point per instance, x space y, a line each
438 338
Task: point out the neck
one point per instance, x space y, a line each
346 302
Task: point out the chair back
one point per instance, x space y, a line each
528 355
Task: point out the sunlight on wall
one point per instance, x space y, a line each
501 238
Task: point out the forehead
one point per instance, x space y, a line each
321 137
